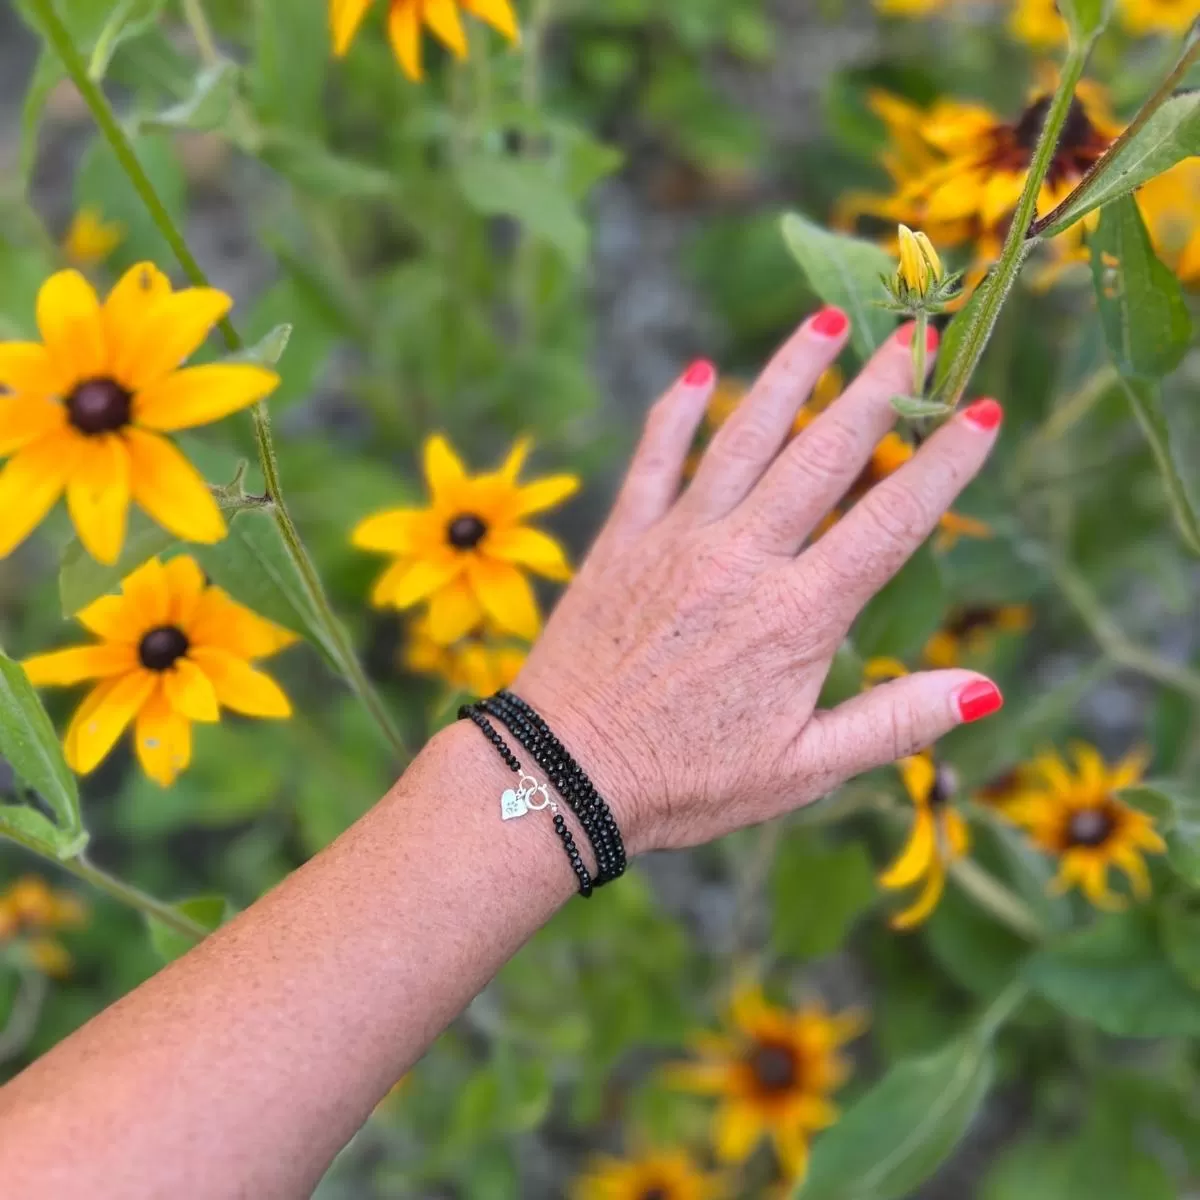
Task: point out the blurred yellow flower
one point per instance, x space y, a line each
173 650
30 910
1076 817
86 407
464 553
406 18
1038 24
939 835
1171 207
477 666
90 239
1145 17
969 632
774 1072
661 1174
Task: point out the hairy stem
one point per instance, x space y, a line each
993 896
59 37
132 897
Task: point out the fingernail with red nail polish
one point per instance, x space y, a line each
904 335
978 700
932 338
700 373
830 323
984 415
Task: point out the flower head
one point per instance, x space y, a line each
774 1072
477 666
173 649
658 1175
1145 17
920 266
1077 817
970 632
464 552
31 910
90 239
939 835
86 409
406 18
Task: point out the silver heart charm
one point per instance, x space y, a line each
513 804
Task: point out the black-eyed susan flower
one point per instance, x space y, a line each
1170 204
477 665
84 411
1077 817
90 239
465 553
31 911
407 19
774 1072
920 268
173 649
1145 17
973 631
657 1175
939 835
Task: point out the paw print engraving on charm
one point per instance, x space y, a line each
516 803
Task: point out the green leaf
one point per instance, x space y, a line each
529 192
1179 928
314 170
81 579
27 826
1145 399
818 892
1175 808
902 617
208 107
1168 137
129 18
1141 303
209 911
845 678
29 743
290 63
903 1128
1087 18
915 407
1116 976
844 271
956 333
268 350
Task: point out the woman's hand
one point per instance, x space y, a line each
683 665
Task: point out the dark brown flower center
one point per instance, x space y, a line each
99 406
1090 827
945 786
466 531
161 648
968 620
656 1193
775 1067
1079 146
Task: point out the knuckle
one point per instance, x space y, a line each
743 442
898 515
826 451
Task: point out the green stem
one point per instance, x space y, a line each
59 37
920 354
989 893
132 897
193 13
1018 245
1002 1008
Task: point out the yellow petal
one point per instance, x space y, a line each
497 13
24 420
515 462
919 775
147 596
219 621
200 395
185 585
505 595
27 369
958 834
102 718
792 1147
1093 770
171 490
137 291
62 668
1134 866
404 32
345 17
30 484
240 686
68 315
454 612
443 468
164 740
544 493
926 902
112 618
190 692
421 579
702 1079
384 588
528 548
165 334
442 17
918 855
737 1129
397 531
98 496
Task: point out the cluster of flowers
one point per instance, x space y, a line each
31 912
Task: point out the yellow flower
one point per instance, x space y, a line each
30 910
477 666
87 407
1076 817
90 239
882 670
774 1073
920 266
999 791
660 1175
464 553
1145 17
173 650
970 632
911 8
939 835
1171 206
1038 24
406 18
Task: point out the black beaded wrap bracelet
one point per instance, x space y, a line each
515 803
568 777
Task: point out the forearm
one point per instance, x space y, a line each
244 1067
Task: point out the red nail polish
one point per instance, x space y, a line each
932 338
700 373
904 335
984 415
978 700
830 322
